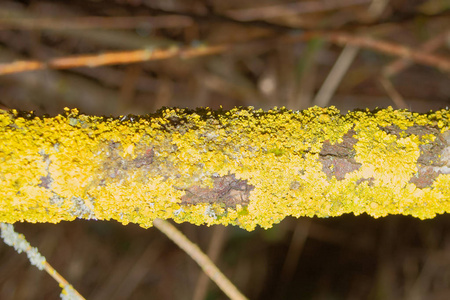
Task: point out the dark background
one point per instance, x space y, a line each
396 257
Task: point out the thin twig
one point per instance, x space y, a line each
402 63
215 247
344 61
196 254
59 24
290 265
287 9
429 46
440 62
20 244
334 77
111 58
126 57
396 97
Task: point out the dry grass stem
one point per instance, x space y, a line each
334 77
393 93
215 248
196 254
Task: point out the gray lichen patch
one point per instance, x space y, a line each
80 209
46 181
226 189
56 200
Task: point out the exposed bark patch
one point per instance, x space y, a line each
429 153
144 159
431 161
227 190
116 167
46 181
338 159
370 180
424 177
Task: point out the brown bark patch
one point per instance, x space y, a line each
226 190
431 153
338 159
117 168
424 177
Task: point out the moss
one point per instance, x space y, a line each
138 168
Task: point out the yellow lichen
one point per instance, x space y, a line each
136 169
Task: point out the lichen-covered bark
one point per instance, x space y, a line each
243 167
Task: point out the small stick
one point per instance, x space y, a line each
203 260
20 244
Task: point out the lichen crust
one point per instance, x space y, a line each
243 167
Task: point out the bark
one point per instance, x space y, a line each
242 167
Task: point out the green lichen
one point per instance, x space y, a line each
135 169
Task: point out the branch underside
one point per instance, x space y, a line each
242 167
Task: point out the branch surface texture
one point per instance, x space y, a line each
242 167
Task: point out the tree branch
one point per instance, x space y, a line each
242 167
